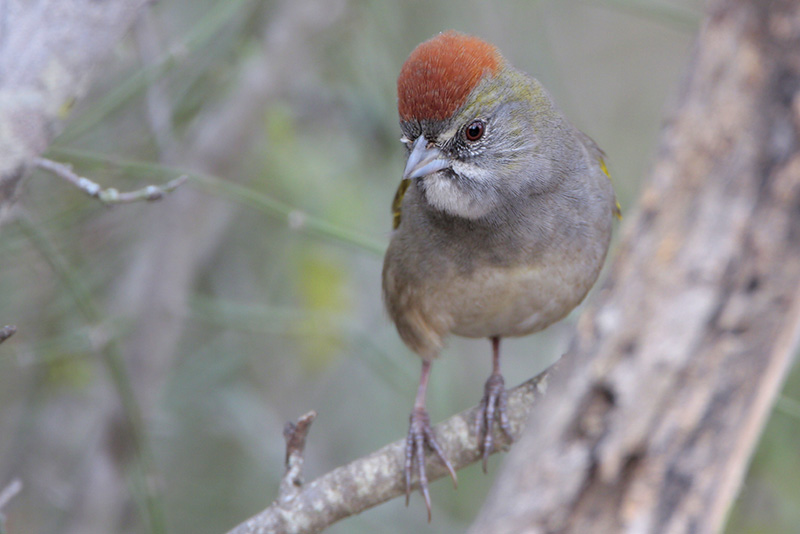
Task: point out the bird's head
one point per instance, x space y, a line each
472 124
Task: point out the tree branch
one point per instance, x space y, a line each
378 477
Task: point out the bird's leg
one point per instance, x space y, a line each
494 401
420 434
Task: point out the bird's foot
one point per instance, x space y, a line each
493 404
420 434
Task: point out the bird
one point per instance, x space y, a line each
501 223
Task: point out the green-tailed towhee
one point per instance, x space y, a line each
502 219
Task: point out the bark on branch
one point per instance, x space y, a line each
378 477
654 412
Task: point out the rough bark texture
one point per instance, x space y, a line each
653 414
373 479
48 50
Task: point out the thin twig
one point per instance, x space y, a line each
295 434
378 477
246 196
158 106
110 195
7 331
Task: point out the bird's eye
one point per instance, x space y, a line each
475 130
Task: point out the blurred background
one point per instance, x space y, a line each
192 328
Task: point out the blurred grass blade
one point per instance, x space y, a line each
199 35
665 13
144 464
246 317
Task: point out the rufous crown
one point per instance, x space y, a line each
440 73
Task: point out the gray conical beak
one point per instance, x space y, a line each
424 160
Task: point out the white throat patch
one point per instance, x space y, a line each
443 193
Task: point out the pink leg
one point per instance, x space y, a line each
494 401
420 434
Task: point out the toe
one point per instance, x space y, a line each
420 434
493 407
433 444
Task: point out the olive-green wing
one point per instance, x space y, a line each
397 203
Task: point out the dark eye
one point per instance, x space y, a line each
475 130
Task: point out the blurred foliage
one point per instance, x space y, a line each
282 310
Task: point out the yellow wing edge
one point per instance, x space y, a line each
617 207
397 203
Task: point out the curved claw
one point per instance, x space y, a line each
433 444
420 434
494 401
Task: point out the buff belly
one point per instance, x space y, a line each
514 301
488 301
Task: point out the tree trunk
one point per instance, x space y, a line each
652 415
